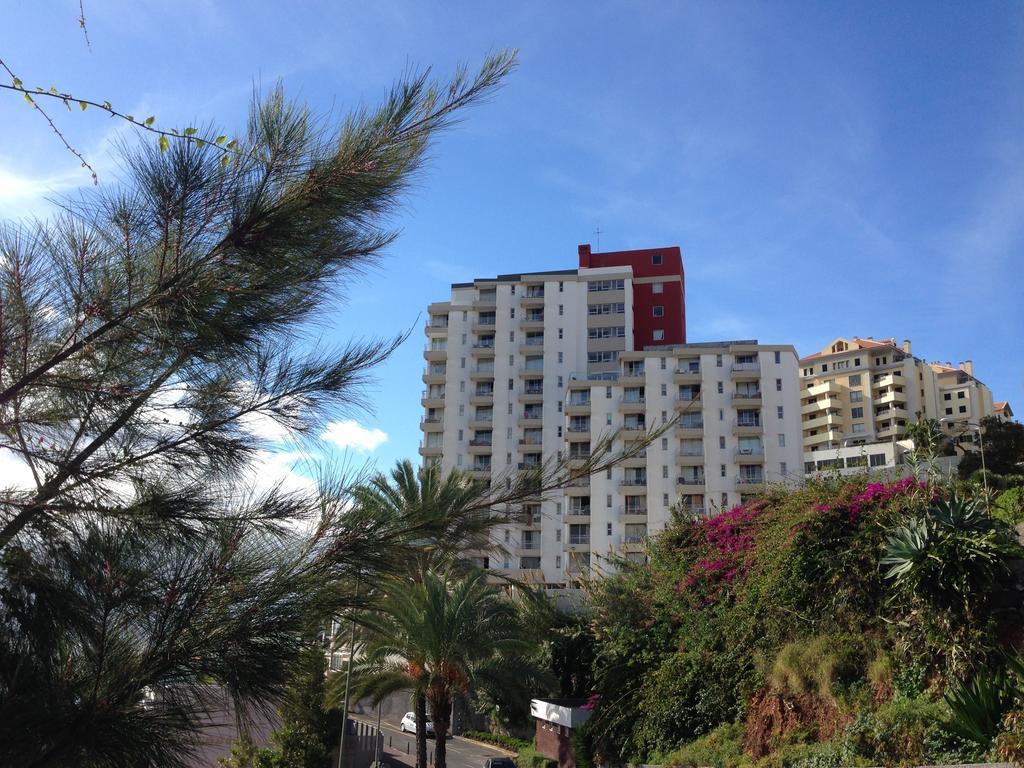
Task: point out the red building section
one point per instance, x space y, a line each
647 264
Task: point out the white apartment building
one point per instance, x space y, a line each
530 367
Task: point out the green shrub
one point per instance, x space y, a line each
508 742
826 665
905 732
529 757
1009 506
722 748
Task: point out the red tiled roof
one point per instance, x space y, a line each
1000 405
861 343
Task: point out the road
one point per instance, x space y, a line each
461 752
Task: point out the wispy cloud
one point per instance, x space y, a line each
351 434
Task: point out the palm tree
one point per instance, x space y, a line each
448 512
441 637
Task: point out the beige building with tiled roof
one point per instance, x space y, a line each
1003 410
861 391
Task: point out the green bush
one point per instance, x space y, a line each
508 742
826 665
722 748
529 757
1009 506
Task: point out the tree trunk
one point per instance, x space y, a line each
442 713
421 730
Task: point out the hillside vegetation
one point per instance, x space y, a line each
847 622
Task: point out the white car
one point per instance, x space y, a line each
408 724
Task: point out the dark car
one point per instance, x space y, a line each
499 762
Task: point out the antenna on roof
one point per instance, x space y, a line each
597 234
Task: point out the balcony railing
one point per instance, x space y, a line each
480 442
577 541
578 428
530 441
634 510
634 538
579 401
534 292
750 480
750 452
690 480
580 511
532 415
635 480
746 395
746 366
691 424
484 345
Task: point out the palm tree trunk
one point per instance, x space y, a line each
442 709
421 730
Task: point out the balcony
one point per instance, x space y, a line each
887 380
634 481
430 450
828 436
432 424
481 422
481 349
692 511
434 376
888 396
632 404
633 430
532 321
528 466
435 355
746 370
436 330
484 324
478 443
632 376
690 428
578 515
532 392
823 421
482 397
533 296
828 388
578 430
747 427
750 483
687 375
689 458
632 514
578 406
638 460
531 419
432 399
485 301
892 412
690 483
530 441
481 374
750 455
821 404
746 399
634 538
531 372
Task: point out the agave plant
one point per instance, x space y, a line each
952 558
978 706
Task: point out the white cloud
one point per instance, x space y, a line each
271 468
350 434
14 472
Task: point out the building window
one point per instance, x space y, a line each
664 390
854 380
960 395
857 413
856 396
609 529
877 459
949 411
561 309
560 357
780 411
722 470
561 286
559 333
657 287
948 396
824 367
721 387
778 385
718 361
856 362
656 259
858 428
658 310
963 409
782 441
721 442
778 357
782 468
721 414
659 334
841 364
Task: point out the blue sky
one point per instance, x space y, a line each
829 169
